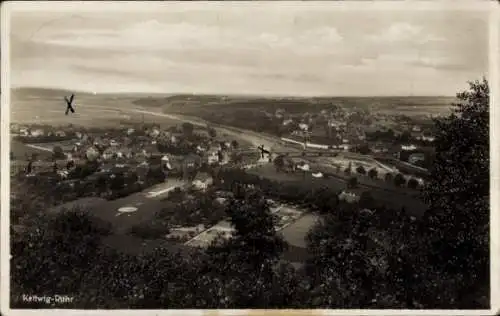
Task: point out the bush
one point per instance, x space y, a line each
361 170
366 200
58 153
146 231
388 177
353 182
187 128
412 183
212 132
364 149
372 173
399 180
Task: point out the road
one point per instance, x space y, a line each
38 147
253 138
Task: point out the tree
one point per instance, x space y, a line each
235 144
457 221
212 132
12 157
361 170
254 225
246 262
364 149
352 182
279 162
372 173
117 183
399 180
366 200
58 152
236 157
405 136
54 253
338 265
388 177
412 183
187 128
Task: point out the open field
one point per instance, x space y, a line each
46 106
20 150
418 105
124 213
296 232
396 198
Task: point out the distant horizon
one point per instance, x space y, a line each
81 91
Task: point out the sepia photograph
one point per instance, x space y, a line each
242 155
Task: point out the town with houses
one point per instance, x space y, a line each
140 165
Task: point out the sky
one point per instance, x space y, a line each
318 50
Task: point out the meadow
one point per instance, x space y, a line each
411 106
396 198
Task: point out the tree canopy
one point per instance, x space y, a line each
458 190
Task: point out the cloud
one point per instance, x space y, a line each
280 51
404 32
152 35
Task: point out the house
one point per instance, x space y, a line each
92 153
317 175
303 166
110 153
416 128
151 150
24 131
130 131
174 139
287 122
123 152
379 148
37 132
202 181
348 197
224 158
60 133
99 141
69 156
165 163
345 147
142 170
415 157
154 132
192 161
199 149
428 138
304 126
212 157
106 167
212 154
408 147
